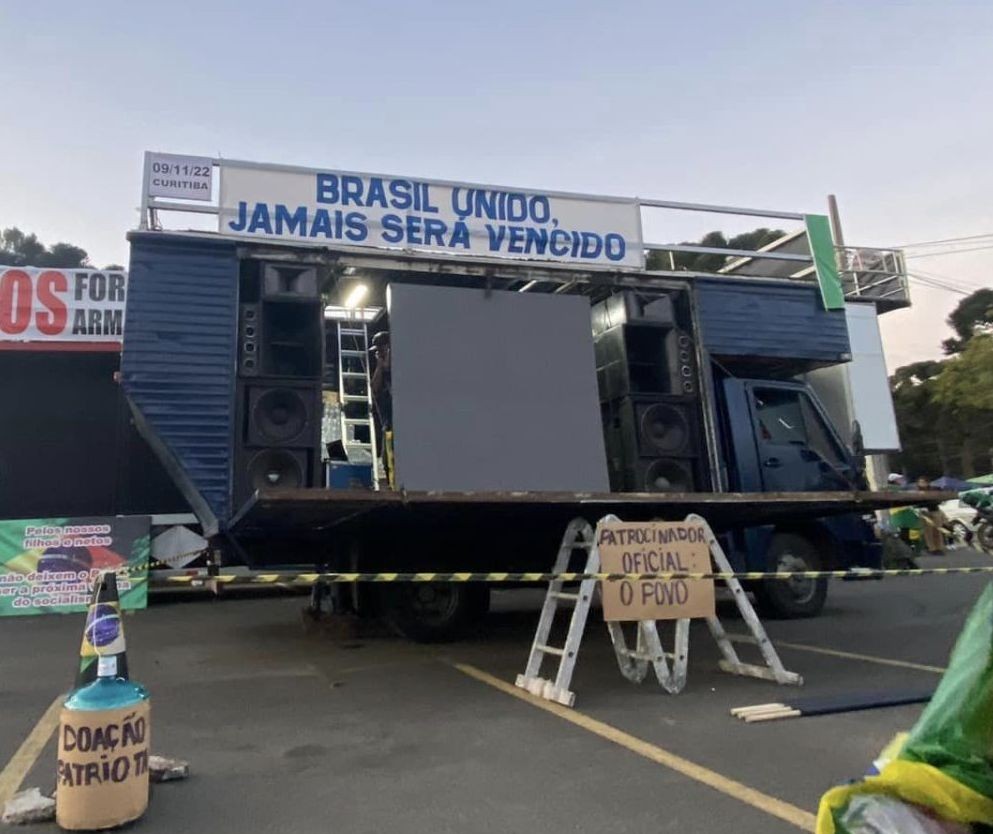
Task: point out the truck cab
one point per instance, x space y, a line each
776 436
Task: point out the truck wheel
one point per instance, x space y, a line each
435 612
792 598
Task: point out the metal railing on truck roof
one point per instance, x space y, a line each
197 185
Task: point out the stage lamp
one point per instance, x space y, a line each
356 296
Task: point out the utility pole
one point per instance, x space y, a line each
839 237
877 466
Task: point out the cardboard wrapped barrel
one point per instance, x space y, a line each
102 770
104 732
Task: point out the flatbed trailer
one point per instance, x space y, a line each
316 513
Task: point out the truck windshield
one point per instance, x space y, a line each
787 416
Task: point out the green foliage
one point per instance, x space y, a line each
973 315
20 249
755 239
965 385
944 408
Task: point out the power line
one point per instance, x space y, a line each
943 241
960 282
936 285
951 252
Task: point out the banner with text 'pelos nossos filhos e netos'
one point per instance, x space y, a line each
326 208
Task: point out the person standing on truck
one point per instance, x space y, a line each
382 398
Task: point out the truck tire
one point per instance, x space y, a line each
792 598
435 612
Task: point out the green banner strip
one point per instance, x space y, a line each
822 250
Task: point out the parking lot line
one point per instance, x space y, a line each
762 802
27 754
868 658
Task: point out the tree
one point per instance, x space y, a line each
965 385
944 411
689 261
918 419
20 249
972 315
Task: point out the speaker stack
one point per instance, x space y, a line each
648 380
280 362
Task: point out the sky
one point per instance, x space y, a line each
768 104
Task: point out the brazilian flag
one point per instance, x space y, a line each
945 768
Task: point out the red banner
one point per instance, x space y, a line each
79 308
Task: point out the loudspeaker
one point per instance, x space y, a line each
664 475
273 469
281 339
633 307
654 444
635 359
277 435
249 324
287 282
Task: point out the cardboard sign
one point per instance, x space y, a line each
102 770
655 547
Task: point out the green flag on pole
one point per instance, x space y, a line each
822 251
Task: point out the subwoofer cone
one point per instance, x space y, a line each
665 428
667 476
275 469
280 415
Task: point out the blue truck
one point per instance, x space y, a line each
762 435
256 365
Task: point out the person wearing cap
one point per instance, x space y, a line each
382 399
382 395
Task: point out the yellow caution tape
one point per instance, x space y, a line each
268 578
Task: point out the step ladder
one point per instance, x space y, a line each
647 653
358 427
578 536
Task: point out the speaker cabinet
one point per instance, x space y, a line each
635 360
281 339
277 436
633 307
290 282
654 444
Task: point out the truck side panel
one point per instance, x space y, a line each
178 360
770 323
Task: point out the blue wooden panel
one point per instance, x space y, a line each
178 362
765 320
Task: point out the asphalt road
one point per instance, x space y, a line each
290 729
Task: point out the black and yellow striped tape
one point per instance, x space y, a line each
261 578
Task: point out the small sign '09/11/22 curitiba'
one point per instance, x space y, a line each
362 210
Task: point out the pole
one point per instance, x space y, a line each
839 237
877 467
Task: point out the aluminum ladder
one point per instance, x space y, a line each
578 536
355 395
